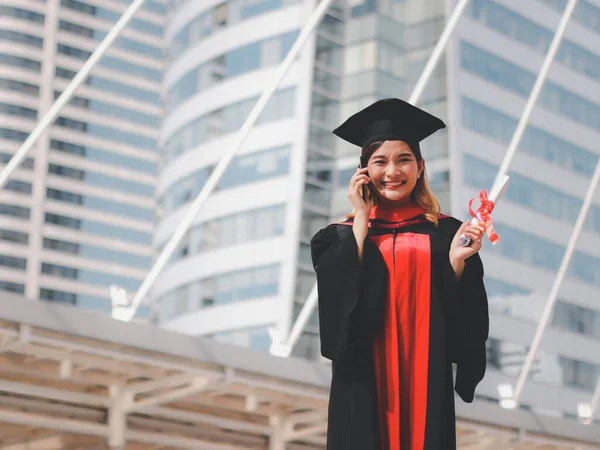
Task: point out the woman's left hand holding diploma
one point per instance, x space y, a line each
459 254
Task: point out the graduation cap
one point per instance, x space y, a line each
390 119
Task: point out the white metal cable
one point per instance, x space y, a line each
537 89
122 310
64 98
547 313
284 349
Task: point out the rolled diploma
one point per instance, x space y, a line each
495 195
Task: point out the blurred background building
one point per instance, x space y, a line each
233 275
77 216
147 129
492 66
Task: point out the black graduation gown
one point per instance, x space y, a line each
352 297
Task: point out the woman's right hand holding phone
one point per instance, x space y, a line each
362 207
358 185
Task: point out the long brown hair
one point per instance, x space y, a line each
421 194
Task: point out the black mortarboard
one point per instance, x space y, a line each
390 119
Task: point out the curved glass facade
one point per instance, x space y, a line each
227 287
227 119
246 58
232 224
223 15
232 230
243 170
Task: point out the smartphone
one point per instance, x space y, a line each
363 190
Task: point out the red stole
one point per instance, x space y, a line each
395 213
401 349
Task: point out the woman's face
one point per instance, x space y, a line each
393 170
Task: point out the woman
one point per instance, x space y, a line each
400 299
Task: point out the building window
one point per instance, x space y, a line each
113 87
19 13
98 253
23 63
112 16
536 142
211 20
15 211
13 262
19 86
21 38
511 77
229 287
99 179
105 156
360 58
240 60
88 302
576 319
14 236
243 170
27 163
226 120
235 229
255 338
18 186
100 229
58 296
579 374
16 110
535 36
59 271
101 204
107 133
528 193
111 62
530 249
121 42
89 276
585 13
9 286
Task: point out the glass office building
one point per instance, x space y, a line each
235 267
493 62
77 215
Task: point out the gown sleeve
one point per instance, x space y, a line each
351 294
473 327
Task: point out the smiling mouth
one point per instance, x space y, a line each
394 184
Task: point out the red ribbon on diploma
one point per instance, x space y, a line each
484 214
